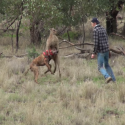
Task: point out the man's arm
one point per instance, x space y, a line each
95 38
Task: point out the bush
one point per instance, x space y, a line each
32 53
73 35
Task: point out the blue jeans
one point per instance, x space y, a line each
104 67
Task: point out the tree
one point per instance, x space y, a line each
12 11
73 12
42 14
111 21
2 7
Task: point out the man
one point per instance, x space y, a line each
101 48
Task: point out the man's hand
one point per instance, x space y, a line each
93 56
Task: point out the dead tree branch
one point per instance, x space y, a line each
10 24
118 35
118 50
78 48
76 45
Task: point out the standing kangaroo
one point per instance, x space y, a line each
52 43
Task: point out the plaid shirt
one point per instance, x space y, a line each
100 39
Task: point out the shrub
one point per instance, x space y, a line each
73 35
32 53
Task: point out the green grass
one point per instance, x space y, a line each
48 78
99 80
124 69
17 97
120 79
112 111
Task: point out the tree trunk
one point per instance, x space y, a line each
17 34
123 31
111 25
83 27
111 22
32 33
12 43
68 35
35 35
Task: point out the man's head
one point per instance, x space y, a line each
94 22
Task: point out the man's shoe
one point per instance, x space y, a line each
108 79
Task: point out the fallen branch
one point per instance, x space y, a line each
118 50
81 55
77 45
118 35
78 48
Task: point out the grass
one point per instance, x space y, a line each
81 97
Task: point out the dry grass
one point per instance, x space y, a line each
81 97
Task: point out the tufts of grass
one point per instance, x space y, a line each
90 91
17 98
16 66
121 93
112 111
81 97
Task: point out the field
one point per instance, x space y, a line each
80 97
